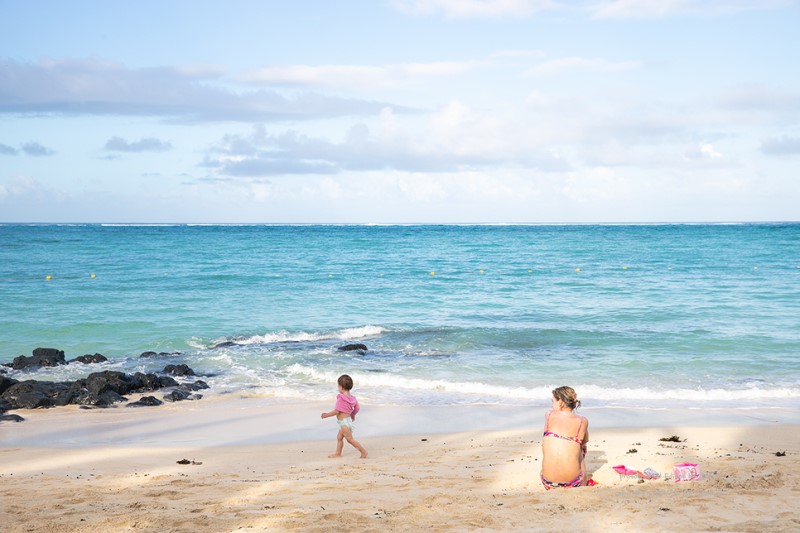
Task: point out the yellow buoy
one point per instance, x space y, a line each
529 270
93 276
48 278
433 273
577 270
625 268
482 271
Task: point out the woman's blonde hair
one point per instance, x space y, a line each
567 396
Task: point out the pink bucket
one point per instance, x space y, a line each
686 472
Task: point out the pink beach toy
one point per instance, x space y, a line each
686 472
624 472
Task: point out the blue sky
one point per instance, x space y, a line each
399 111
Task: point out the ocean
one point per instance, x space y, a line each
647 316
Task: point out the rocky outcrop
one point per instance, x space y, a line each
47 357
180 395
41 357
353 347
99 389
31 394
89 359
145 401
178 370
145 355
5 383
225 344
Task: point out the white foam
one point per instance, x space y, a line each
389 381
361 332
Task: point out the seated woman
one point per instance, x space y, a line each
564 442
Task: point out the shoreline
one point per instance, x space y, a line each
121 473
225 420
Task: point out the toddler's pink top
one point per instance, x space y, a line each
346 404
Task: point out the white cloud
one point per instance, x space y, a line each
149 144
181 93
453 138
457 9
636 8
519 54
783 145
200 71
422 188
702 151
760 98
598 183
556 66
604 9
642 9
35 149
261 191
8 150
356 76
25 188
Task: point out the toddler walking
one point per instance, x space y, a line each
345 413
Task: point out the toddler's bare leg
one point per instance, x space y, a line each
339 444
357 445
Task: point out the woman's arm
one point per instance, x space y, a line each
585 437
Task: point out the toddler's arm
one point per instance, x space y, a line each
331 413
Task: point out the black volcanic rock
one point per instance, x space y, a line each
41 357
197 385
145 401
119 382
176 396
353 347
89 399
88 359
226 344
157 354
5 383
167 381
178 370
99 389
33 394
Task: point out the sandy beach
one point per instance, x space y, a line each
256 467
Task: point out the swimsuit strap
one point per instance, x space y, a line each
579 429
548 433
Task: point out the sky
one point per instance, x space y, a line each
399 111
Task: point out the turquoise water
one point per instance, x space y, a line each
650 315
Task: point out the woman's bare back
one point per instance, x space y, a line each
563 443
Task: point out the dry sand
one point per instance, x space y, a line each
116 470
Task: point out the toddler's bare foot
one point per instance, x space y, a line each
334 455
364 455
